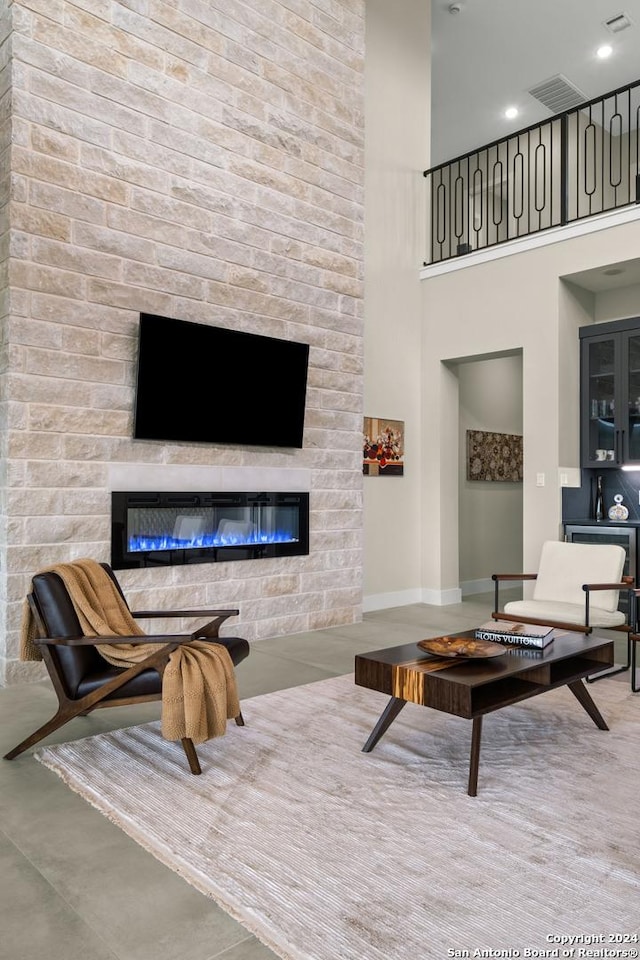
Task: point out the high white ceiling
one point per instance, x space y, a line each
490 54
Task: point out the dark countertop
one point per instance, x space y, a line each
602 523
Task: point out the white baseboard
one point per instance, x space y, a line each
382 601
442 598
402 598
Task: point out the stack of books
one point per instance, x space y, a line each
523 634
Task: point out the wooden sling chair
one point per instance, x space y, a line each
84 681
577 587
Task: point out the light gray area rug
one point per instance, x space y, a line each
326 853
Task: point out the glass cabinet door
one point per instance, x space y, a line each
631 428
599 399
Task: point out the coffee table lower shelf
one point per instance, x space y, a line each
473 688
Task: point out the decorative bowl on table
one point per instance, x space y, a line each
467 648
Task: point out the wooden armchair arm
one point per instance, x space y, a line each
208 631
513 576
627 584
499 578
150 614
542 622
608 586
170 638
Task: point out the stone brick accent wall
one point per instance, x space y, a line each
201 159
5 183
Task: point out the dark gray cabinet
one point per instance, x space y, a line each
610 394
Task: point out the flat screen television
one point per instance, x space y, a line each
203 384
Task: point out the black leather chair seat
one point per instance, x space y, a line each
148 682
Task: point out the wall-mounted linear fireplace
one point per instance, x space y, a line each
163 529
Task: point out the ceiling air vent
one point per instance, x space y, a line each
557 94
620 22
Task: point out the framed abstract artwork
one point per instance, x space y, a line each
494 456
383 447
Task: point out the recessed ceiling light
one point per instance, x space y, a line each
613 271
511 112
604 51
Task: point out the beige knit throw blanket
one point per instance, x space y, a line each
199 692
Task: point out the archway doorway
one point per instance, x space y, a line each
490 528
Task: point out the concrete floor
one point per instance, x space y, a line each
74 887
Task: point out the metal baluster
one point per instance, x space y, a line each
498 173
638 154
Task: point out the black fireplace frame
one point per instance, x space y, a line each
217 506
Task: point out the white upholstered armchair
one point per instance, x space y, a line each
577 587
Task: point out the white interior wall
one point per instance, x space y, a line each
576 309
507 304
397 77
617 304
490 512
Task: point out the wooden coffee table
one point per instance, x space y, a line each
471 688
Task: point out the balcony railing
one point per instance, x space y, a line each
575 165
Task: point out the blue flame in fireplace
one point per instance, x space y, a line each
144 544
